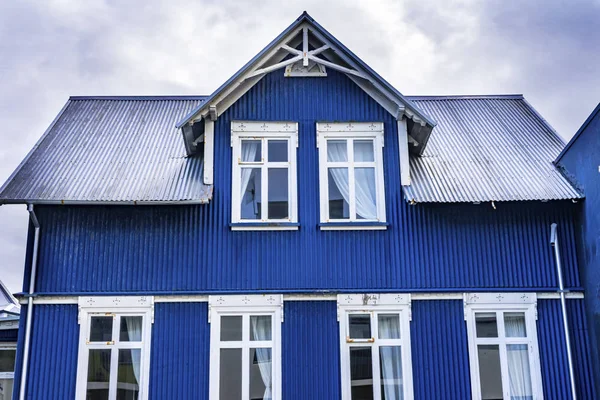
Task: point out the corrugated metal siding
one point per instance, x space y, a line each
494 148
440 361
311 351
106 150
53 356
9 335
179 361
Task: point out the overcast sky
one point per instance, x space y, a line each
549 50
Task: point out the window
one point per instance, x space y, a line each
264 173
114 349
375 347
351 172
245 347
8 352
503 350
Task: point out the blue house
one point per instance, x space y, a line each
305 232
9 328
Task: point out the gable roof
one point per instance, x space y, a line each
115 150
589 119
487 148
270 58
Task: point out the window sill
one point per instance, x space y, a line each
353 226
264 226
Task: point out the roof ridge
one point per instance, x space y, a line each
516 96
135 97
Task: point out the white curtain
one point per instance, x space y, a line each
519 373
249 149
391 359
134 330
366 197
261 328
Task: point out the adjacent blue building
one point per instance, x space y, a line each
305 232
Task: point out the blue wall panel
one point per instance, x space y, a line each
9 335
440 350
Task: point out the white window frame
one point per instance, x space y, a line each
350 131
245 306
116 307
263 131
375 304
501 303
8 375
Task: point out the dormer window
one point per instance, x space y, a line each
264 175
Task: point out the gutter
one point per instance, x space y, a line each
108 203
36 239
555 245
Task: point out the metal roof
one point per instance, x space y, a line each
112 150
487 148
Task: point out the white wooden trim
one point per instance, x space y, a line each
404 155
209 150
356 227
6 325
264 228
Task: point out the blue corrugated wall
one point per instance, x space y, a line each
9 335
179 366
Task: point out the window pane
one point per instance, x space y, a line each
260 327
101 329
98 374
260 374
519 374
363 150
250 193
230 374
361 373
514 324
6 389
389 326
490 373
128 374
231 328
337 150
278 193
366 195
360 326
251 151
485 325
339 193
7 360
131 329
390 362
278 150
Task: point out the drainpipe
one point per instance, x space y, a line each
36 238
563 303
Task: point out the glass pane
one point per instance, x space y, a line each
339 193
490 373
7 360
360 326
514 324
131 329
251 151
260 327
250 193
389 326
363 150
101 329
128 374
260 374
361 373
365 192
231 328
485 325
278 150
6 389
98 374
278 193
519 374
337 150
390 364
230 374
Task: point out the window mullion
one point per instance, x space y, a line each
351 180
245 356
375 357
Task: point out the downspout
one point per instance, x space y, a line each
36 238
563 303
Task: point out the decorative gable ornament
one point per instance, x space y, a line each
299 70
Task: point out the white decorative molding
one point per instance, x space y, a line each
298 70
4 325
350 126
371 300
89 304
500 298
240 301
263 126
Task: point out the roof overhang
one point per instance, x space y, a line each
305 41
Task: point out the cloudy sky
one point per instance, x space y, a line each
549 50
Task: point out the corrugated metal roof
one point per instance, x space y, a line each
112 150
487 148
